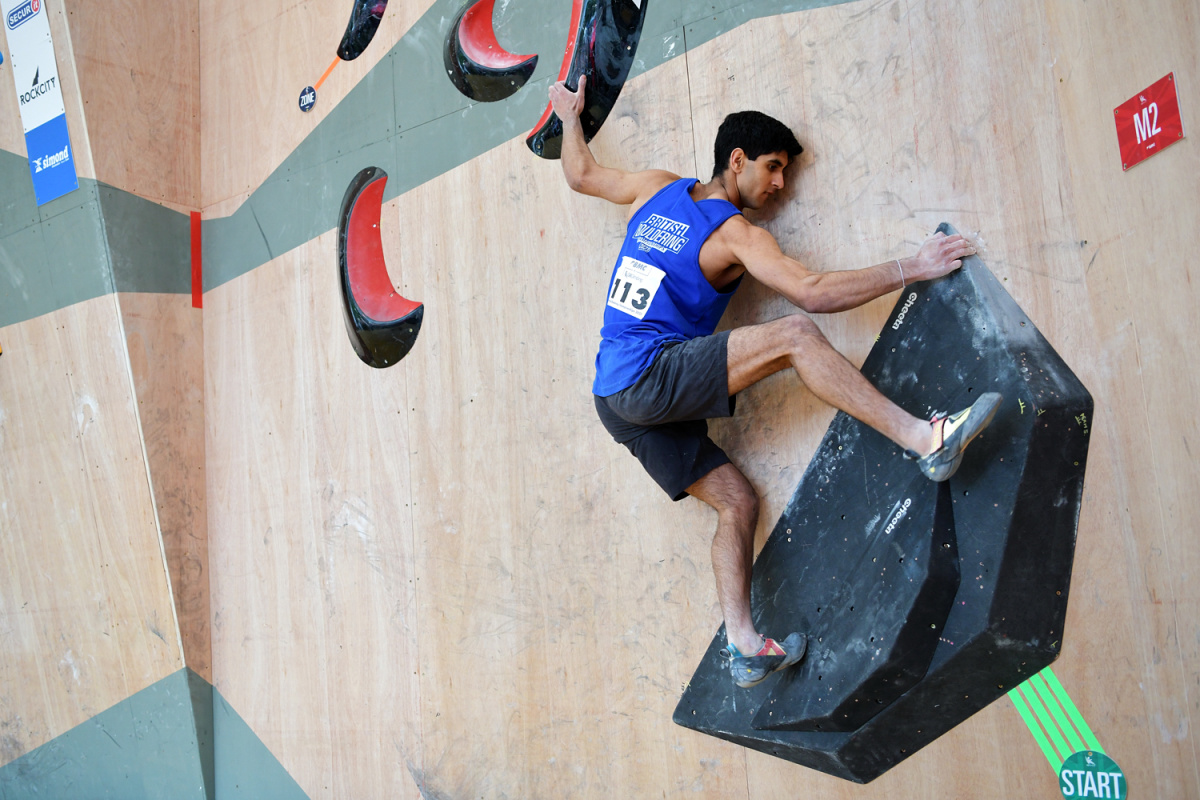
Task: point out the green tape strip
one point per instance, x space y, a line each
1052 704
1055 686
1036 730
1035 702
1045 707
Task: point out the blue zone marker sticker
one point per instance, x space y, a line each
308 98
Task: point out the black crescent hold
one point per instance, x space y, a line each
382 325
606 42
476 64
360 30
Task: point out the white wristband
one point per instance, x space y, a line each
903 283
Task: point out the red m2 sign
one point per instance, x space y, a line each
1149 121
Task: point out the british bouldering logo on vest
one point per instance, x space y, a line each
22 14
1090 773
661 234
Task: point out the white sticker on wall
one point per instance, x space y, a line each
39 97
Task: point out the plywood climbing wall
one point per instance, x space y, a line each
443 579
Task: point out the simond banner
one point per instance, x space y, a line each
39 97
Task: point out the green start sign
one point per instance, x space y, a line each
1089 773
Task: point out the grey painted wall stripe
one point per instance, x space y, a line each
155 744
245 768
177 739
59 259
89 243
404 117
150 245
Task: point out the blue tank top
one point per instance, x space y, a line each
657 292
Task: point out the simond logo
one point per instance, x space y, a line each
22 14
901 514
47 162
912 298
38 89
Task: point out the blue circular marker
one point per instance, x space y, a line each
308 98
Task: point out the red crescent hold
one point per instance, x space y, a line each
369 281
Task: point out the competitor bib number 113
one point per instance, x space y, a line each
634 285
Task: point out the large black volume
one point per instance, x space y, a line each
1015 508
870 579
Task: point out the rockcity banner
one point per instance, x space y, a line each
35 73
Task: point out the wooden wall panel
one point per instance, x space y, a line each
310 532
259 57
139 71
892 149
446 574
575 587
85 608
165 340
1139 228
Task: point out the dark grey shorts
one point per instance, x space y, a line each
661 418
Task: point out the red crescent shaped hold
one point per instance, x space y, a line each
477 38
369 280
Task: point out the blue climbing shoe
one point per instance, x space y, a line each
753 669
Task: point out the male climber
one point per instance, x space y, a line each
661 370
